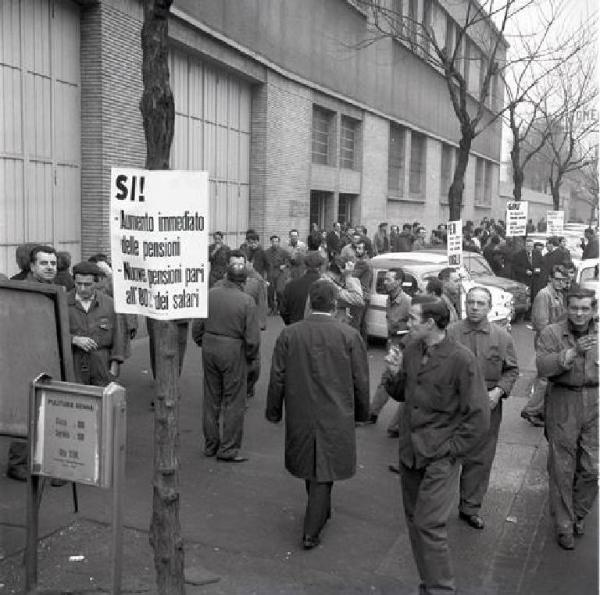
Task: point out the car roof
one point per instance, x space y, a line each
399 259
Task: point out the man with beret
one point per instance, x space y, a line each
96 334
320 371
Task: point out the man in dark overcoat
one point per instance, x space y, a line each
528 268
320 370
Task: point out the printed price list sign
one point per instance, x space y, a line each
68 433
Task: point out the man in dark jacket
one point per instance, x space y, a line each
446 414
230 342
293 301
96 334
528 268
495 352
590 249
334 240
320 370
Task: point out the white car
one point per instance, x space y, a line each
418 268
587 274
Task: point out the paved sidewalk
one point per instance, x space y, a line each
242 523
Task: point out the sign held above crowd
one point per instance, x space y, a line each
516 218
159 242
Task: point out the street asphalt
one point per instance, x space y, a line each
242 523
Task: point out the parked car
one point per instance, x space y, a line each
419 267
587 274
481 272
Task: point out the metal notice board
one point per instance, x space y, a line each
72 429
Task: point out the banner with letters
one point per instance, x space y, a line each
159 242
555 223
516 218
455 241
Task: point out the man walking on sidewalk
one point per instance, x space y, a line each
320 370
495 352
567 354
446 414
548 308
230 341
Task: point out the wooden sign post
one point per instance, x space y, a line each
76 433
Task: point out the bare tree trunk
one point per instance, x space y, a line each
555 191
515 158
455 193
158 112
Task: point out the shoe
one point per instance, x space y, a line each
534 420
18 473
566 541
579 527
394 469
372 419
237 459
308 542
393 434
57 483
210 453
473 520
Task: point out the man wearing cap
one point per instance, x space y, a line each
320 371
230 341
96 333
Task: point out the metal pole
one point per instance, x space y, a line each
117 504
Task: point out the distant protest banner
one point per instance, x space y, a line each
159 242
455 241
516 218
555 223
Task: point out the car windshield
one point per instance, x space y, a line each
477 266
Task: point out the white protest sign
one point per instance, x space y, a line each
555 223
159 242
455 241
516 218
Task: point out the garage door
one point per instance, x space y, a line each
212 133
40 155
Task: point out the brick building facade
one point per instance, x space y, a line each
294 124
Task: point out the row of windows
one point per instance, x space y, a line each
324 137
407 157
407 19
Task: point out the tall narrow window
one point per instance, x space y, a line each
396 159
427 23
449 45
487 189
446 170
397 16
348 143
413 7
322 136
417 164
479 176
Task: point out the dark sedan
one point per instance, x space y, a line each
480 270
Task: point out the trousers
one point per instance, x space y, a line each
572 433
428 495
318 506
477 465
535 404
224 363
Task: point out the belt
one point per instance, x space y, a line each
575 388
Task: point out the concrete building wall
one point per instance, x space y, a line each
317 40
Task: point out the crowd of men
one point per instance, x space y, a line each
449 375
